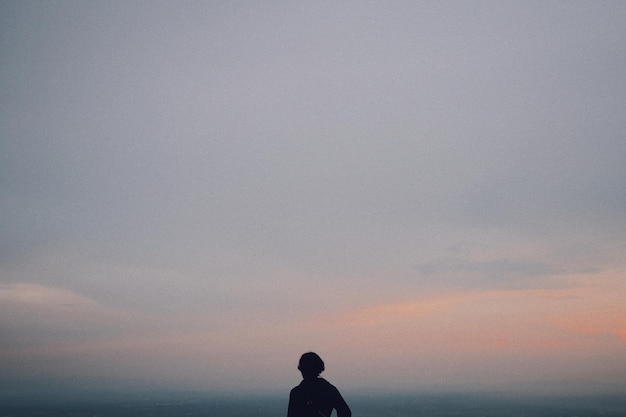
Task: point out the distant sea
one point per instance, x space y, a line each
418 405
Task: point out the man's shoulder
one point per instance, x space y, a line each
298 389
316 385
324 382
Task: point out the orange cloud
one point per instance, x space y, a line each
503 322
394 311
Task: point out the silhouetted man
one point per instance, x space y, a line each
315 397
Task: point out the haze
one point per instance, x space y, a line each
430 195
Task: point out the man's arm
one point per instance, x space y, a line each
341 406
290 408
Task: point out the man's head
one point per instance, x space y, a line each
311 365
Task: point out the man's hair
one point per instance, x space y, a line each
311 364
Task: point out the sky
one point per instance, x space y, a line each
430 195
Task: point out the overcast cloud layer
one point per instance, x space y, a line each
196 193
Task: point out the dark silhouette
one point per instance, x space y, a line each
315 397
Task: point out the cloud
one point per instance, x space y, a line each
393 312
524 268
202 180
517 321
34 315
497 273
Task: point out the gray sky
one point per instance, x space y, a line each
198 192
